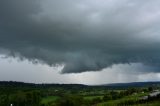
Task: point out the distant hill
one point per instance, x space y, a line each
43 85
131 84
79 86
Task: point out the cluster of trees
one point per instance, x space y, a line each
30 98
113 95
76 100
138 101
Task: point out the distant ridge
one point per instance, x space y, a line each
132 84
43 85
112 85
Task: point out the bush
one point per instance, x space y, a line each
70 100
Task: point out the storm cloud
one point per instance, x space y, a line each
81 35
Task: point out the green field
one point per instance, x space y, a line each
92 97
49 99
129 98
156 103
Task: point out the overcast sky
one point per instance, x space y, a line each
80 41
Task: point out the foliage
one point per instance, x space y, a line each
21 94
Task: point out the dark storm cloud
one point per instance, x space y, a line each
82 35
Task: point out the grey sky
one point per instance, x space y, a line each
13 69
82 35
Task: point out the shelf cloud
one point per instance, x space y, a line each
81 35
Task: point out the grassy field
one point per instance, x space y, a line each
133 97
92 97
156 103
49 99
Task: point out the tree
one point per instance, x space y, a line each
150 89
107 97
70 100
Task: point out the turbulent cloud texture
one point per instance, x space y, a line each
81 35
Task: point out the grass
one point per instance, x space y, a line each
131 97
155 103
92 97
48 99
